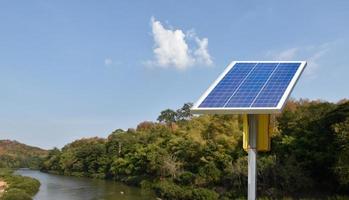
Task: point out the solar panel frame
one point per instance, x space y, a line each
247 110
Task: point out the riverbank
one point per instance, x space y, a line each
17 187
188 157
58 187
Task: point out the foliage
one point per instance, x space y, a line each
19 187
170 116
16 155
27 184
169 190
85 157
187 157
341 167
186 178
16 194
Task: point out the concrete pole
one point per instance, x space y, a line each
252 157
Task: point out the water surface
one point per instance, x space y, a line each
56 187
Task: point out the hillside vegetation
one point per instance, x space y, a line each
14 155
18 187
201 157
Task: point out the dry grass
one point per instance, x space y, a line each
3 186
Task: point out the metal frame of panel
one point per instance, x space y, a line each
247 110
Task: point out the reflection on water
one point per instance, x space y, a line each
55 187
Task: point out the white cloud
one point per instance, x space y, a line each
312 54
202 55
287 54
108 61
171 48
314 60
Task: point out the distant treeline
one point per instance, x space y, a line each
201 157
17 155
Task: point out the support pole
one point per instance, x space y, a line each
252 157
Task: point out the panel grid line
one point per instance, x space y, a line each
266 82
251 86
224 89
275 88
240 85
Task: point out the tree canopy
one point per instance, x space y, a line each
201 157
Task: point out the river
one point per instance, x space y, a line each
56 187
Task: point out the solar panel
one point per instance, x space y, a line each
251 87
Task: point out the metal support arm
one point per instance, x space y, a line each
252 157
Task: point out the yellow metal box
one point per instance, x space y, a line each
263 135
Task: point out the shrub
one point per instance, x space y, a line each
15 194
204 194
186 178
170 190
146 185
26 184
134 180
210 174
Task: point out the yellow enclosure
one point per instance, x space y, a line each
263 135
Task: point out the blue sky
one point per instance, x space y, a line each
72 69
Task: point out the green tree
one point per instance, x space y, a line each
184 112
168 116
201 157
342 165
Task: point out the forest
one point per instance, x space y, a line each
17 155
201 157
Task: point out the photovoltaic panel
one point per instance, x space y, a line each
226 87
251 87
247 92
271 94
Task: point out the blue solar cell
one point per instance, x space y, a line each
227 86
252 85
246 93
274 89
